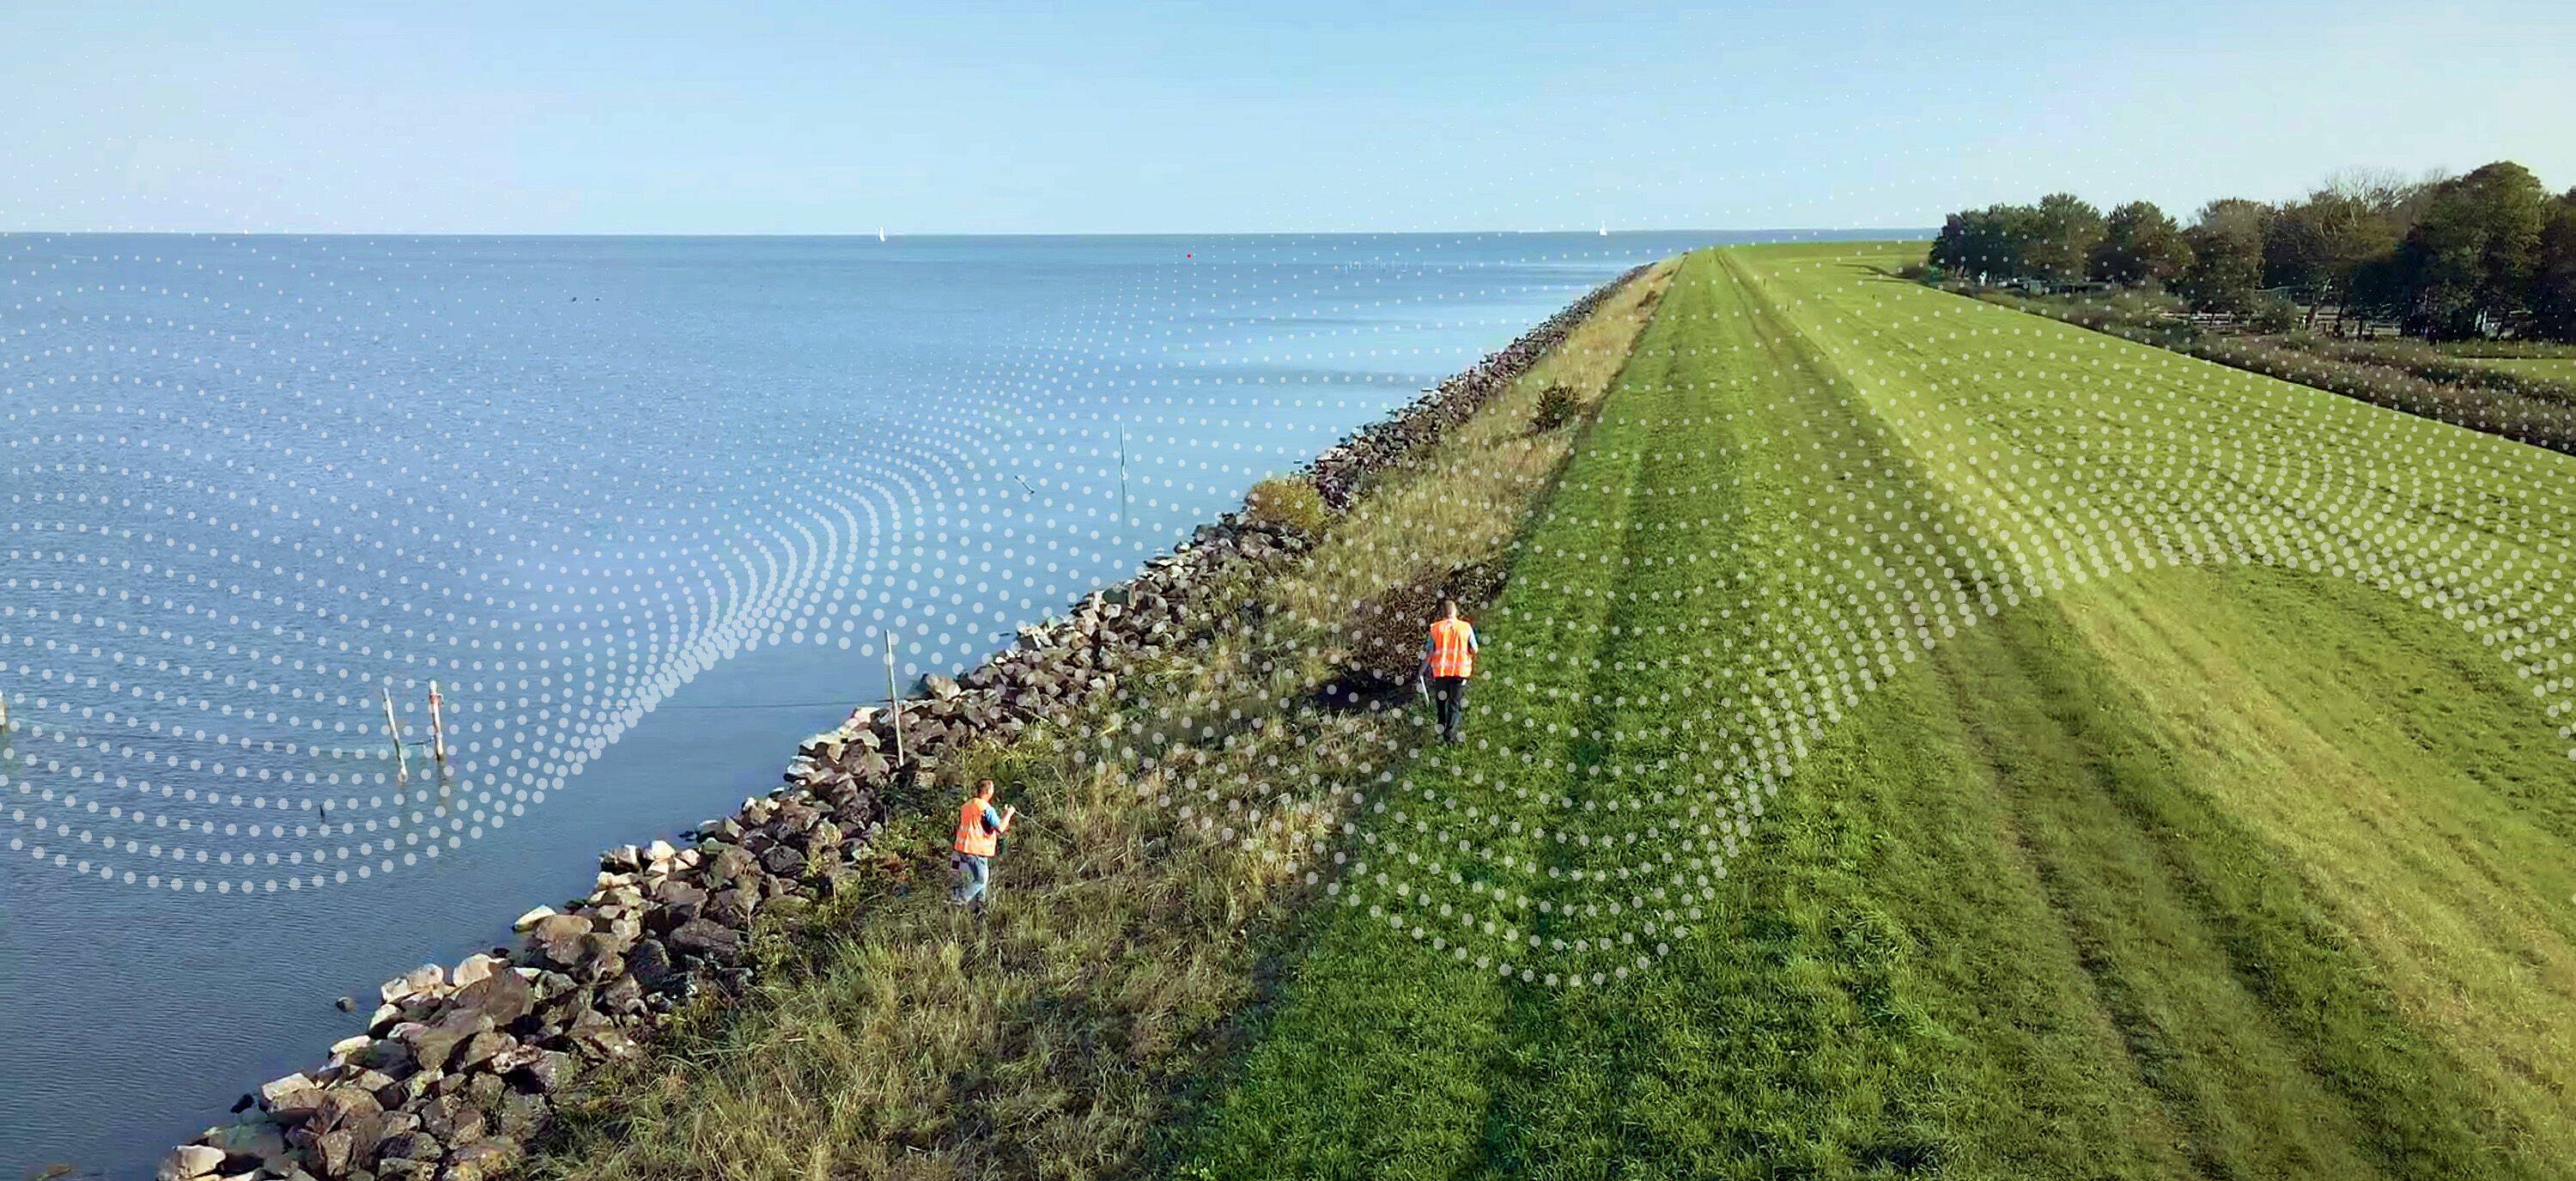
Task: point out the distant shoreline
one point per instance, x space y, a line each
1797 234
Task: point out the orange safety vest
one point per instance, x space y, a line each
972 840
1450 656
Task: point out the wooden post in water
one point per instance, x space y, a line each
437 727
894 695
393 729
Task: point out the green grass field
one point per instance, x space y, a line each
1925 738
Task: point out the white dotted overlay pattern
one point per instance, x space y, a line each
2038 458
247 500
254 484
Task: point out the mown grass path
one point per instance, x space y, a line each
1924 738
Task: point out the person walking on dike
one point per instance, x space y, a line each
1448 659
979 836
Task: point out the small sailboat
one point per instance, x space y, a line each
880 233
1605 229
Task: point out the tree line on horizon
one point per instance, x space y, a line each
2489 253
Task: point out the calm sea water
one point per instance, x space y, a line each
647 510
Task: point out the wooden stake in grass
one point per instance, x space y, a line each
894 695
393 730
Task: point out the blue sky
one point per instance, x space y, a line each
844 118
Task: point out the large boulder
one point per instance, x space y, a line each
432 1045
451 1119
701 937
784 861
331 1155
545 1073
649 964
476 967
557 938
623 995
519 1115
479 1049
413 1145
252 1142
503 997
676 899
352 1108
730 907
387 1056
732 865
425 980
482 1160
291 1099
188 1163
602 1039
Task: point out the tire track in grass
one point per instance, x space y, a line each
1374 1063
1895 993
2150 958
1569 1044
2276 1040
1598 1057
2403 814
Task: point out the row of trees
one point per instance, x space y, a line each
2483 254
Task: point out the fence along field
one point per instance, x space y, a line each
1922 735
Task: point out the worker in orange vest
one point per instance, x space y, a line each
1448 659
979 836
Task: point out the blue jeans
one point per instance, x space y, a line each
974 879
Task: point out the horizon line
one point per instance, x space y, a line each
890 235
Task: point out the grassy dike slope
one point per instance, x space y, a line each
1165 847
2094 792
